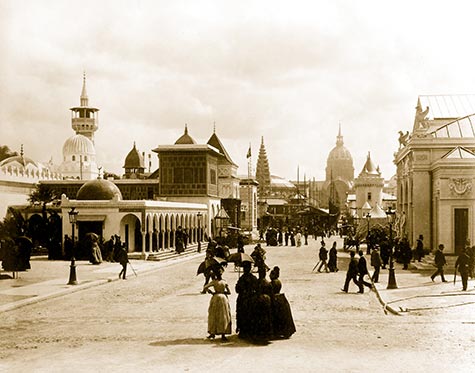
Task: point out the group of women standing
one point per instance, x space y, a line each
262 311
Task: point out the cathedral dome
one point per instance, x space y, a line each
340 153
185 138
134 159
339 162
98 189
78 144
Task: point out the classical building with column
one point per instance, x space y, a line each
144 226
436 173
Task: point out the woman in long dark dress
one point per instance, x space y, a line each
246 289
262 308
282 320
179 240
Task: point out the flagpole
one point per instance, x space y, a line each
249 204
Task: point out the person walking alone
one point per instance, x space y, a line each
440 262
352 273
375 263
123 259
362 271
462 264
323 256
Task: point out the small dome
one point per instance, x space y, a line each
78 144
18 160
98 189
185 138
134 159
279 182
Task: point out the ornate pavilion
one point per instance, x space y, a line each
436 173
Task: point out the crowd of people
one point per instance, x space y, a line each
112 250
262 311
291 236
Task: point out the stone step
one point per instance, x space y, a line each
168 254
428 264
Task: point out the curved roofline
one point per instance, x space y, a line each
452 122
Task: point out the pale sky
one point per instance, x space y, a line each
290 71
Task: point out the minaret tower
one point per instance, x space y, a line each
85 119
263 171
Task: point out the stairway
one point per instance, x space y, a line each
169 254
428 264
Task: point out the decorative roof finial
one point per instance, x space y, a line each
339 138
84 98
21 150
186 129
214 127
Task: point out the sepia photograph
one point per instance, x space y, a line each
237 186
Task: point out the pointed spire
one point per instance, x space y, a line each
186 129
214 127
263 176
84 98
21 150
339 138
369 167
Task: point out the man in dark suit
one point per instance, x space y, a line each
439 263
362 271
352 273
462 265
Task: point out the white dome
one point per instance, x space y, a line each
78 144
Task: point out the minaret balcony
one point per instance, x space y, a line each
84 123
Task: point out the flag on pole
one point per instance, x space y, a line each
249 152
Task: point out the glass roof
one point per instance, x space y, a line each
461 128
448 106
460 153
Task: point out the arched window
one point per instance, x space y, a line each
74 158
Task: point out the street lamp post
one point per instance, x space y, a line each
392 276
73 216
199 231
368 219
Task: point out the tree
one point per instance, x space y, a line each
42 195
5 152
13 225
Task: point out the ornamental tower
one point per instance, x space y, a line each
263 171
369 186
79 153
84 119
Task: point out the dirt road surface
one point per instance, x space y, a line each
157 323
